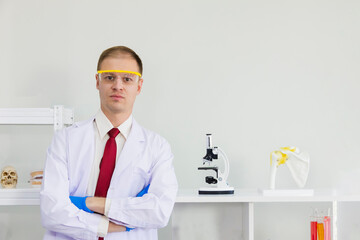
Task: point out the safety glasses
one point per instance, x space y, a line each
128 78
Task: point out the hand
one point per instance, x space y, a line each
96 204
118 228
80 203
144 191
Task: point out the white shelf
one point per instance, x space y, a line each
57 116
255 196
21 196
187 204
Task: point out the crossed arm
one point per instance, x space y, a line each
97 204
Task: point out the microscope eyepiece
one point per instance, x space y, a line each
209 149
208 141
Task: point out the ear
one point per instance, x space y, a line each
139 87
97 81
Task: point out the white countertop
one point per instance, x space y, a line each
31 196
256 195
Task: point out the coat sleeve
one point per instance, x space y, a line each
58 214
153 209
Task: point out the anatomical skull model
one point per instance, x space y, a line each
9 177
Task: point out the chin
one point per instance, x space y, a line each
116 110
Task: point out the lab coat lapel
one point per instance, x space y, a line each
132 149
81 151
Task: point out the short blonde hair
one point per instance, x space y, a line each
120 50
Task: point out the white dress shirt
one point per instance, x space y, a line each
102 126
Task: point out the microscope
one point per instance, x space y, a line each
220 180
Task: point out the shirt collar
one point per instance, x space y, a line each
104 125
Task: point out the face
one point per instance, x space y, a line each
117 97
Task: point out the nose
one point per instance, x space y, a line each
118 83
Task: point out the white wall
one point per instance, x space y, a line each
257 74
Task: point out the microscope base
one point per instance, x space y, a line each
217 190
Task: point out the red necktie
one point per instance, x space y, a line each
107 165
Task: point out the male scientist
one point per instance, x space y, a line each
108 177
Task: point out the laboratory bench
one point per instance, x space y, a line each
234 215
229 213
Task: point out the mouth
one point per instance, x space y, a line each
116 97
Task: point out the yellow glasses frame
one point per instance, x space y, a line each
120 71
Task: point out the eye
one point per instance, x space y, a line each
129 78
109 78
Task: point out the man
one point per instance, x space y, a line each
107 177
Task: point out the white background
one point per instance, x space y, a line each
258 75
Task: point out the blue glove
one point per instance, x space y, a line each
80 203
144 191
129 229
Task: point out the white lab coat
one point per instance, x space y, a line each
145 159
